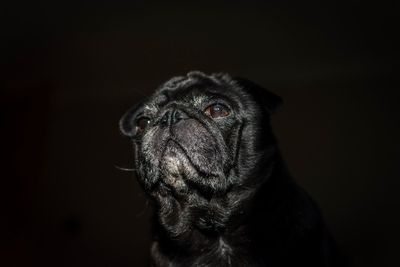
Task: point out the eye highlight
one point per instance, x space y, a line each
217 110
141 124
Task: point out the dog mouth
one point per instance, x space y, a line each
177 169
175 164
181 159
178 174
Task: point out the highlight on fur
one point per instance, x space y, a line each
221 193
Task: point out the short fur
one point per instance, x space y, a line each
221 192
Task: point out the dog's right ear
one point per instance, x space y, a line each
127 122
267 99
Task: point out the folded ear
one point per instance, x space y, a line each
127 122
264 97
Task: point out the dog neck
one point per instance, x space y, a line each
200 226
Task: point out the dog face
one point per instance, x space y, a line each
200 134
206 155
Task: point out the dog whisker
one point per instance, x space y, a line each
204 213
125 169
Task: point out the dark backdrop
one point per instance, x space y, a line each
69 71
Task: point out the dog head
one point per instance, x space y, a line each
201 134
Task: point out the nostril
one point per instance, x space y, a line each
165 118
177 116
172 116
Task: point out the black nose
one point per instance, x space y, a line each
172 116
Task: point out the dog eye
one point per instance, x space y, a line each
141 124
217 111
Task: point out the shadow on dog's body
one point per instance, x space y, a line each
221 192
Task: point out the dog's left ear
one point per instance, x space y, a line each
127 122
266 98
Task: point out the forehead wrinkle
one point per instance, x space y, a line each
198 100
150 107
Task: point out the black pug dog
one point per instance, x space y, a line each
205 153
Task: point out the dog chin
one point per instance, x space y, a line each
175 168
178 176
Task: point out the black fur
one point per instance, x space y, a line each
221 192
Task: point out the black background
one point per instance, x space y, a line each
70 70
